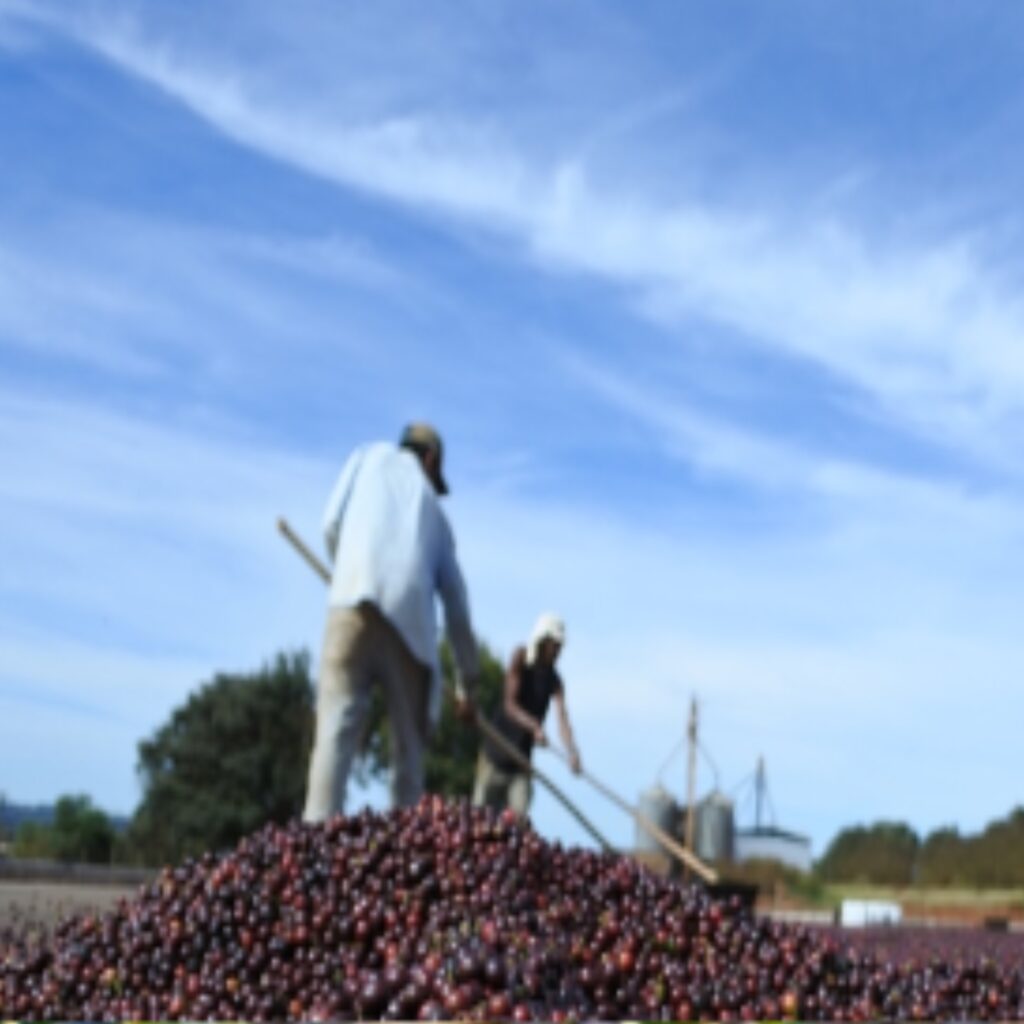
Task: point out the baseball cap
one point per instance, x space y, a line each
423 437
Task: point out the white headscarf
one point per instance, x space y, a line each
548 626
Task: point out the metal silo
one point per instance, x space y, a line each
713 834
657 805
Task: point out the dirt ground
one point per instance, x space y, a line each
45 903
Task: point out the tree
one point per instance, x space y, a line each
33 841
450 763
884 854
231 759
81 832
942 858
996 857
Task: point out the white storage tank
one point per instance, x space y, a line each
713 828
656 805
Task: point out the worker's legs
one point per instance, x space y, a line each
406 683
343 699
520 792
486 793
480 781
491 787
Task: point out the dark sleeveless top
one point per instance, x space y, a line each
537 685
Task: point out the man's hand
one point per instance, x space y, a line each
464 699
465 709
574 762
540 737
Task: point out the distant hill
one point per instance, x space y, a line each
13 815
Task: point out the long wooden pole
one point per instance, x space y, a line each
481 722
654 830
527 766
296 542
691 774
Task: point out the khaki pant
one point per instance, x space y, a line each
499 789
362 648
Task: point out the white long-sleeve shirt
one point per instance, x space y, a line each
391 544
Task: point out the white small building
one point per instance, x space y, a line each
864 913
769 843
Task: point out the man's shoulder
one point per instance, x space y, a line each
375 450
557 686
358 456
380 458
399 470
517 659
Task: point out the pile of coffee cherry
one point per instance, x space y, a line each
442 911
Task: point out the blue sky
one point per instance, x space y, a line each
718 309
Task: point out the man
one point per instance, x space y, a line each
531 684
392 550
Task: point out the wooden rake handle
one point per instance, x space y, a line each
296 542
690 859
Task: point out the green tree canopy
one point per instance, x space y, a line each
941 859
232 758
80 833
33 841
996 857
889 854
883 854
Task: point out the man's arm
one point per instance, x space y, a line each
458 625
335 510
565 730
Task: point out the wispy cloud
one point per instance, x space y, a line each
925 325
798 469
138 559
133 294
63 311
16 35
116 525
129 690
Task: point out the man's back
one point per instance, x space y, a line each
389 538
